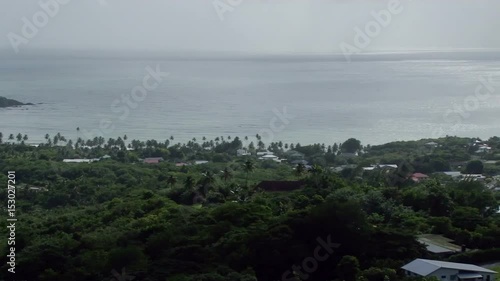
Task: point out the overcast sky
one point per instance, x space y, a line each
253 26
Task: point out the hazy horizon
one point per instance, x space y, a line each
252 27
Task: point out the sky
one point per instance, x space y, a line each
250 26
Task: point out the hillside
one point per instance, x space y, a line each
5 102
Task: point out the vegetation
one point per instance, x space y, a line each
5 102
171 221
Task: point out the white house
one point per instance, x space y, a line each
448 271
483 149
474 177
271 157
380 166
242 152
432 144
80 160
262 153
453 174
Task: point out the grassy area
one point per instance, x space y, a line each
494 268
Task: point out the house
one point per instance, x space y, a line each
270 157
432 144
80 160
348 154
37 188
380 166
199 162
472 177
342 167
33 188
297 162
106 157
418 177
294 155
262 153
483 149
452 174
242 152
439 245
272 186
153 160
181 164
448 271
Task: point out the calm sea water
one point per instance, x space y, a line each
375 98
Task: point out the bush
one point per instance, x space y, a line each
477 257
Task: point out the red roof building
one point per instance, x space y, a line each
417 177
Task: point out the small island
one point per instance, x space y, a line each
5 102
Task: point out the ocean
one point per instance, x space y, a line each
376 98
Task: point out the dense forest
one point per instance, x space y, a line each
174 220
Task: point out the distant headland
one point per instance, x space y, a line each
5 102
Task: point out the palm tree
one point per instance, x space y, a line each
189 183
248 167
207 180
316 170
226 174
261 145
11 137
19 137
111 142
1 137
171 137
300 169
171 181
25 137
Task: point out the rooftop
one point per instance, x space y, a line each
425 267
